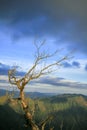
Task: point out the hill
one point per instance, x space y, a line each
69 112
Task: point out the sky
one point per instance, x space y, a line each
62 23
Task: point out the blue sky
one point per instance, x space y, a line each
62 23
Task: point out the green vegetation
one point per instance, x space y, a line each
69 112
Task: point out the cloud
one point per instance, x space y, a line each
74 64
67 65
61 82
66 21
85 67
5 68
3 81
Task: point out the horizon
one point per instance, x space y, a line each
33 93
62 24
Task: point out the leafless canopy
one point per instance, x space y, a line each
40 62
39 68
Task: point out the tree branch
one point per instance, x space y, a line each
40 59
42 71
44 122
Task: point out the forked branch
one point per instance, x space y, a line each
33 73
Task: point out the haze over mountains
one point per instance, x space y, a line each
27 94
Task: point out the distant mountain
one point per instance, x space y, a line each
38 94
27 94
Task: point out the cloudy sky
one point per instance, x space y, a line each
62 23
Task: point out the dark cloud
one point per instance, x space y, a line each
61 82
74 64
67 65
5 68
86 67
66 21
15 11
51 81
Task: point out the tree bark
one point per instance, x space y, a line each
28 115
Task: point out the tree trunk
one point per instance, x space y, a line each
28 115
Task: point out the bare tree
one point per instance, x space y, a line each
40 60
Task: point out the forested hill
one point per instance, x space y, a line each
69 112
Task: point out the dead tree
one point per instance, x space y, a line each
40 59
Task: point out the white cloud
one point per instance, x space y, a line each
56 87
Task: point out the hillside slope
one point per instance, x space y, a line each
69 112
